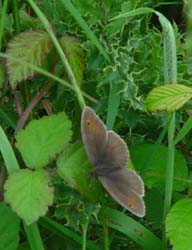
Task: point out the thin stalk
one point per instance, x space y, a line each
84 238
15 11
2 21
170 76
63 58
48 74
170 166
105 234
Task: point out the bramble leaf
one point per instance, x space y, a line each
42 139
29 194
30 47
179 226
168 97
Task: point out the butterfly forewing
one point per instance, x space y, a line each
94 135
116 152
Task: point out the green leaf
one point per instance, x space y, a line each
42 139
9 228
179 226
168 97
150 160
75 56
74 168
29 194
31 47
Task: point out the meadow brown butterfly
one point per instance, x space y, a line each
108 154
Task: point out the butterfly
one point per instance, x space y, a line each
108 154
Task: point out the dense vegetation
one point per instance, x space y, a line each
131 61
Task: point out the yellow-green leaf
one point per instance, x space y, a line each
168 97
29 194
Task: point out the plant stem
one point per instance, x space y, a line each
170 166
84 239
15 11
63 58
105 234
2 21
170 76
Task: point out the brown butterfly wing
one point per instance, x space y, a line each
116 152
128 179
124 194
94 135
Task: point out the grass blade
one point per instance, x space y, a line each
7 153
34 237
62 231
134 230
184 130
89 33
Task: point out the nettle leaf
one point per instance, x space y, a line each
29 194
75 56
168 97
72 208
31 47
9 228
43 139
179 226
151 161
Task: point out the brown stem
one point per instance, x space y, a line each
2 180
31 105
18 104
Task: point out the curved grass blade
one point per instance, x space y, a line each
134 230
184 130
7 153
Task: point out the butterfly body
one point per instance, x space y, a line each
108 154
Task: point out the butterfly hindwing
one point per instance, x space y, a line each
125 196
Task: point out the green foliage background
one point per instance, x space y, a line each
57 56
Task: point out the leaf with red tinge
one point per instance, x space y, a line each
30 47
